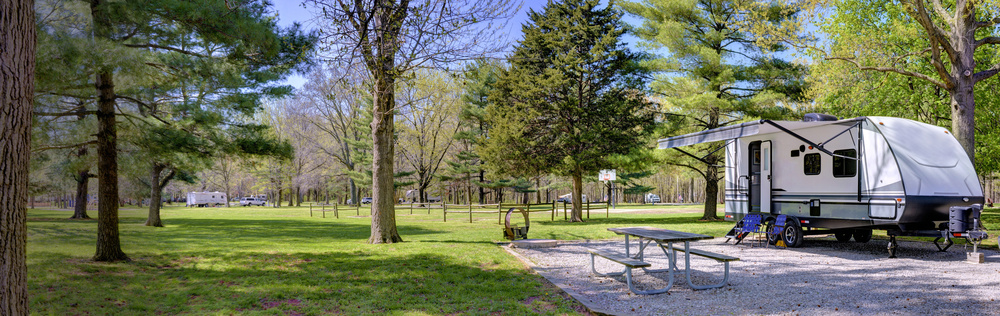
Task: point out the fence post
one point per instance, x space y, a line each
310 210
445 215
411 208
553 213
588 209
470 211
499 213
607 210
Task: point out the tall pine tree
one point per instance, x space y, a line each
714 74
572 98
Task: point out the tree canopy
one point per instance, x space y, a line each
573 96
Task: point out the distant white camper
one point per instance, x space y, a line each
848 177
203 199
652 198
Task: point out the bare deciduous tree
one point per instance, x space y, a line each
389 38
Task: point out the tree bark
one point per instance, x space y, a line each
108 243
156 185
383 229
711 193
577 214
82 182
17 84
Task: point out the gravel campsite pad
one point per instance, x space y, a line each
823 277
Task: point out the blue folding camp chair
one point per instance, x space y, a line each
751 224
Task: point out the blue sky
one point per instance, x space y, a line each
291 11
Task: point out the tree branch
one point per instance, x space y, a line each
936 34
986 74
992 40
38 149
69 113
987 23
890 69
154 46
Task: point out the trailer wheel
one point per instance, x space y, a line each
842 237
862 235
792 236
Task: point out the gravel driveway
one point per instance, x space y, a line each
823 277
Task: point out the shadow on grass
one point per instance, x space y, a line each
342 282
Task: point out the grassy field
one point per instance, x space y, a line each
270 261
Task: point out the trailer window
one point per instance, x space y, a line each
843 167
812 164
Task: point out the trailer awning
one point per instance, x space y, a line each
712 135
749 129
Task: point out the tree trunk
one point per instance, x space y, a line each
963 115
383 229
82 182
711 193
108 243
17 79
577 214
156 193
298 196
482 191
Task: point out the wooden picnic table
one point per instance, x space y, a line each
665 239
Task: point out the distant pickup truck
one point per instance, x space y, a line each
248 201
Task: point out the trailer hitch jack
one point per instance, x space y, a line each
893 246
946 246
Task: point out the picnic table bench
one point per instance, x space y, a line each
664 239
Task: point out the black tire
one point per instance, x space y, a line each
842 237
792 236
862 235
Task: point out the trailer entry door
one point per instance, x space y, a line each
765 177
760 176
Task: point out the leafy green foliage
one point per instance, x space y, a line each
714 74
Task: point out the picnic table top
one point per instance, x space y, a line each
660 234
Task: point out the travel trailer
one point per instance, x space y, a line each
848 177
203 199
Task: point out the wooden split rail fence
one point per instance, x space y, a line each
468 209
335 208
587 207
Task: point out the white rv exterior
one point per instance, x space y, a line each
849 176
203 199
652 198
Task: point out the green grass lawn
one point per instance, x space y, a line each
269 261
280 261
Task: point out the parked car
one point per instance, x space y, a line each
248 201
366 200
568 198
